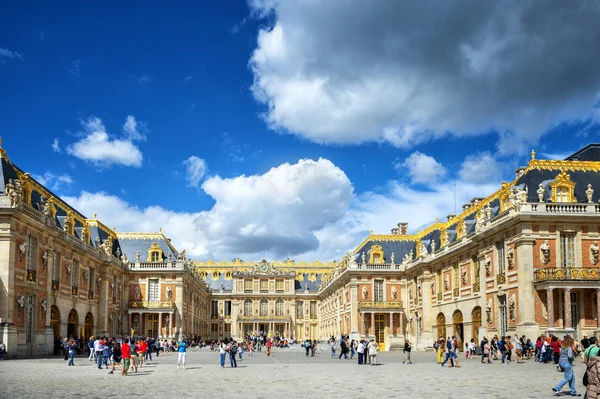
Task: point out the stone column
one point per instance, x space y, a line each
426 335
598 307
550 306
391 332
354 314
401 322
160 316
526 323
567 302
372 332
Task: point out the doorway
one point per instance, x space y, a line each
55 321
441 325
574 315
475 323
152 325
29 323
380 330
88 330
72 322
457 320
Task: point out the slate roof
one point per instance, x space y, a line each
131 243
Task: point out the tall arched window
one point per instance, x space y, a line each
279 307
264 307
248 307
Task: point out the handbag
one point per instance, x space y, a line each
585 378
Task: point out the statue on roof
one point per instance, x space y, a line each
364 257
432 246
589 193
137 256
446 237
118 252
124 259
392 258
84 235
423 249
540 193
480 221
488 211
14 191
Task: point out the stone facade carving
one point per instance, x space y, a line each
107 247
169 292
480 221
447 282
487 262
589 193
418 289
512 303
43 305
20 301
14 191
432 246
463 229
446 238
365 292
545 252
67 223
518 197
510 258
488 212
137 293
463 274
540 193
22 250
594 252
45 259
432 284
394 293
488 310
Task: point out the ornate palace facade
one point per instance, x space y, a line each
523 260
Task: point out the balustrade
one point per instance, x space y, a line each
566 274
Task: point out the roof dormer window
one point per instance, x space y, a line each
154 253
563 188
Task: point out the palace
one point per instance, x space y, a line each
523 260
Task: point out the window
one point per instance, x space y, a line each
154 257
567 249
279 307
264 285
299 309
91 280
153 290
503 316
214 327
501 258
247 285
215 275
248 307
313 309
56 266
114 288
264 307
31 258
214 309
562 194
378 292
227 308
75 275
279 285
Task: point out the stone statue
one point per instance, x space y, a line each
43 305
432 246
432 285
365 293
84 235
20 301
107 247
418 289
446 237
540 193
511 307
463 229
45 259
463 274
84 275
169 292
137 293
68 271
112 287
480 221
545 252
67 224
487 262
446 282
410 291
488 212
364 257
594 252
14 191
589 193
394 293
137 256
510 257
97 242
118 252
45 205
392 258
488 310
423 250
124 259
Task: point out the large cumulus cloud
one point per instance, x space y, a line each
405 72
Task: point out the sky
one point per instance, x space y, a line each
275 129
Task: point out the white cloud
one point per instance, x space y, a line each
144 79
422 169
99 149
195 169
480 168
188 79
55 146
133 129
9 54
75 66
53 181
376 71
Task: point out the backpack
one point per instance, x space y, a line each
501 345
234 349
449 345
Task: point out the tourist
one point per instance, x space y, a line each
592 359
91 348
441 345
313 348
72 348
565 361
406 351
361 349
343 350
332 341
117 355
149 346
165 347
472 349
585 342
240 350
556 348
502 348
269 345
99 350
232 348
157 347
352 349
307 346
106 355
373 352
140 351
449 355
485 352
2 350
366 353
134 357
181 352
126 353
222 352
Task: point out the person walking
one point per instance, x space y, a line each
565 360
222 353
343 350
333 348
126 353
406 351
72 348
449 355
307 346
99 349
352 349
91 348
373 352
591 357
2 350
232 349
181 352
117 356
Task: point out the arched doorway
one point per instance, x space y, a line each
72 323
55 321
457 321
89 326
476 323
441 326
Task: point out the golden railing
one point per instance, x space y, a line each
380 305
265 318
567 274
152 305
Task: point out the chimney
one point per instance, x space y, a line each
466 206
403 228
450 216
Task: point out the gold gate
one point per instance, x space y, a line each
380 330
152 325
476 323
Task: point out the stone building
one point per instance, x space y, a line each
63 274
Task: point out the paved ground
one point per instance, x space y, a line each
288 374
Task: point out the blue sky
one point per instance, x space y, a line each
172 117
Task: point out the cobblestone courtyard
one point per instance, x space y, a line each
288 374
